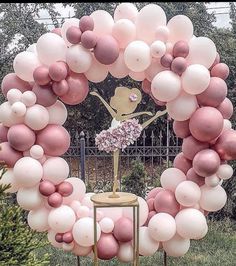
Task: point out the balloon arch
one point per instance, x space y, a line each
177 69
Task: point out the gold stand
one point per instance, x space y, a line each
123 199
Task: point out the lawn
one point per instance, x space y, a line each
218 247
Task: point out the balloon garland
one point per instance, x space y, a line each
177 69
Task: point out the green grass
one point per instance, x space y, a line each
218 247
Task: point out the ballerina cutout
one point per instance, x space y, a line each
124 129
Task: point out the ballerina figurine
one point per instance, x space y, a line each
125 129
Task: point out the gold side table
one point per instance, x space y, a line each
122 199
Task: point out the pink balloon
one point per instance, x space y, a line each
55 200
220 70
65 189
217 61
45 95
206 124
12 81
153 192
67 237
54 139
226 145
73 34
123 229
146 86
57 31
3 133
59 237
152 213
165 201
181 129
150 203
192 146
8 155
192 176
180 49
107 247
20 137
60 88
214 94
58 71
89 39
182 163
226 108
206 162
179 65
106 50
78 89
41 75
46 188
166 60
86 23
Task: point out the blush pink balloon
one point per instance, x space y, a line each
65 189
150 203
41 75
20 137
192 176
12 81
215 93
55 200
58 71
182 163
206 123
220 70
54 139
146 86
107 247
217 61
165 201
180 49
192 146
45 95
181 129
67 237
60 88
153 192
86 23
179 65
3 133
78 89
152 213
206 162
226 108
226 145
8 155
59 237
89 39
106 50
47 188
57 31
123 229
166 60
73 34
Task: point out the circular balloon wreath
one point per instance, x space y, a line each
179 70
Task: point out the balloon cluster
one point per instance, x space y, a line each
177 69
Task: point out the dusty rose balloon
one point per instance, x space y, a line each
180 49
179 65
192 176
86 23
166 60
57 31
59 237
65 189
41 75
206 162
58 71
106 50
182 163
11 81
181 128
206 124
165 201
60 88
55 200
8 155
67 237
150 203
54 139
123 229
73 34
107 247
226 145
78 89
146 86
3 133
220 70
20 137
192 146
89 39
153 192
214 94
45 95
226 108
46 188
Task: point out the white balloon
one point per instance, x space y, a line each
38 219
51 48
83 211
57 113
68 246
18 108
9 178
158 49
14 95
106 225
97 71
7 117
227 124
75 205
212 181
32 48
147 246
24 65
87 201
171 178
36 152
36 117
29 98
162 33
125 253
225 171
176 246
79 190
126 11
61 219
66 25
103 22
81 251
